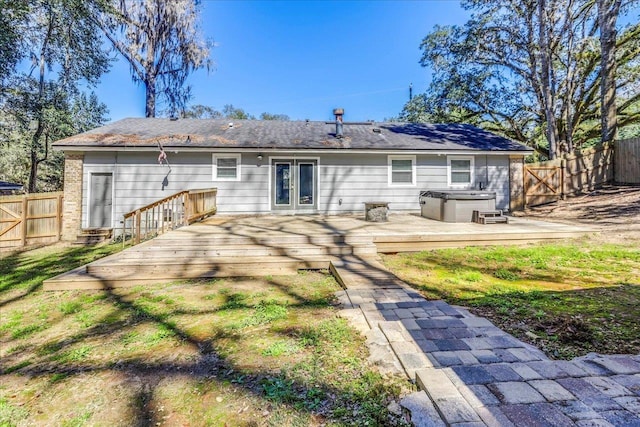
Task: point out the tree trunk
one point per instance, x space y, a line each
35 139
607 16
150 90
33 170
545 74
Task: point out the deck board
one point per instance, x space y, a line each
224 246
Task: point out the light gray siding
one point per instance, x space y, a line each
493 173
139 180
346 180
349 180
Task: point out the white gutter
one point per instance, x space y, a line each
289 151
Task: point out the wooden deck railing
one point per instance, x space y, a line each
174 211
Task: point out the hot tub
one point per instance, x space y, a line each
455 205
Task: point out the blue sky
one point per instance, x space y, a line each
303 58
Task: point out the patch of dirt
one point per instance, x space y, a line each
561 336
615 209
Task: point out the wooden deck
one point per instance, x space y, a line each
224 246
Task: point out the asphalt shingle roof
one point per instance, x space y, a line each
265 134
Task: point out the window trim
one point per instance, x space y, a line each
238 159
390 160
471 160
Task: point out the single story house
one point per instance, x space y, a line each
290 167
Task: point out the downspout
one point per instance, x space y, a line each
486 171
114 201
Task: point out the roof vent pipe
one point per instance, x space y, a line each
338 112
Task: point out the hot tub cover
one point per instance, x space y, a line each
459 194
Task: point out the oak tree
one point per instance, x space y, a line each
60 53
162 43
530 70
608 11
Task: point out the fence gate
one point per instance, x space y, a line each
542 184
11 220
627 161
30 219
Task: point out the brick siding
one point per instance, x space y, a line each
72 207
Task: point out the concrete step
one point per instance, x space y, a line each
92 236
97 231
90 240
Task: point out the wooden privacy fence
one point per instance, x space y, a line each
30 219
543 183
550 181
174 211
627 157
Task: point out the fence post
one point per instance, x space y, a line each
59 216
138 220
186 202
563 168
612 148
25 206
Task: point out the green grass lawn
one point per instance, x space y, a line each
569 299
271 350
261 351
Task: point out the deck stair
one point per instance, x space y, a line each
173 257
92 236
490 217
278 244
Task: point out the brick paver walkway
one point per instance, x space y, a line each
472 373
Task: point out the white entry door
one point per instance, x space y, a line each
100 200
